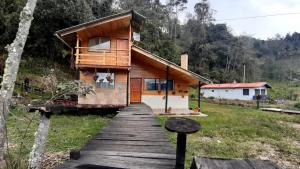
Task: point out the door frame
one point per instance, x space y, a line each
141 87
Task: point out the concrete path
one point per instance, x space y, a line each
133 139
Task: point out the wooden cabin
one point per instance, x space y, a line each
123 73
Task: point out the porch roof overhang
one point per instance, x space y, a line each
69 35
187 75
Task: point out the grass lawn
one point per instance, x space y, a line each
238 132
66 132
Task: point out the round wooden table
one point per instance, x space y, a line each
182 126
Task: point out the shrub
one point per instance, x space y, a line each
297 105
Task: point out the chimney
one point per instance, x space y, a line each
184 61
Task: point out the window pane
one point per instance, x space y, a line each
246 92
163 84
105 80
104 43
98 43
263 92
151 84
257 92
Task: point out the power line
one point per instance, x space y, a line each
259 16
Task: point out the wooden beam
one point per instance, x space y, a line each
127 89
199 94
167 89
77 51
129 41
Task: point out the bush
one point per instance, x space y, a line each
297 105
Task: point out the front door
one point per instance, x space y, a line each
135 90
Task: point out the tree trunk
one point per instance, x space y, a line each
39 143
15 51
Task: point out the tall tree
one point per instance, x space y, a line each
15 51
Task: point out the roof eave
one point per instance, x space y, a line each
169 63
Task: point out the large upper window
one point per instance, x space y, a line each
151 84
246 92
163 84
99 43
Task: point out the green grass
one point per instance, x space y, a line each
238 132
66 131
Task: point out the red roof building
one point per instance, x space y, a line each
236 85
236 91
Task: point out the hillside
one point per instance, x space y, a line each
213 50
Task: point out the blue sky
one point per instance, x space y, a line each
262 28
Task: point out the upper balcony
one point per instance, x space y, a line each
104 42
103 52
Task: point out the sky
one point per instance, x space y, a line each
262 28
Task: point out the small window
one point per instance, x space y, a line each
263 91
99 43
246 92
257 92
105 80
136 36
163 84
151 84
226 90
212 90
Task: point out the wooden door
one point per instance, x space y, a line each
122 52
135 90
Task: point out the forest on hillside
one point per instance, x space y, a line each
213 50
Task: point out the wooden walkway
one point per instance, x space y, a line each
133 139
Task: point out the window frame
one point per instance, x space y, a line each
145 87
99 50
256 94
108 87
158 84
247 93
262 92
160 80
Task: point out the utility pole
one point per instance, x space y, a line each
244 76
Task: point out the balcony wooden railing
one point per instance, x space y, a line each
105 57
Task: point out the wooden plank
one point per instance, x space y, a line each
132 154
133 139
216 163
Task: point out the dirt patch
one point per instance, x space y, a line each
268 152
291 124
52 160
205 139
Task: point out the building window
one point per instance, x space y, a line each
263 91
212 90
257 92
246 92
105 80
163 84
99 43
151 84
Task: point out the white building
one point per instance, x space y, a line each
232 91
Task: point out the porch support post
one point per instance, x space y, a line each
127 89
167 89
199 94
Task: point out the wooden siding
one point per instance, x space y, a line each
116 96
117 55
143 70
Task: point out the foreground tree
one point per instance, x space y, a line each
15 51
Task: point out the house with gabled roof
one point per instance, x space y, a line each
123 73
236 91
